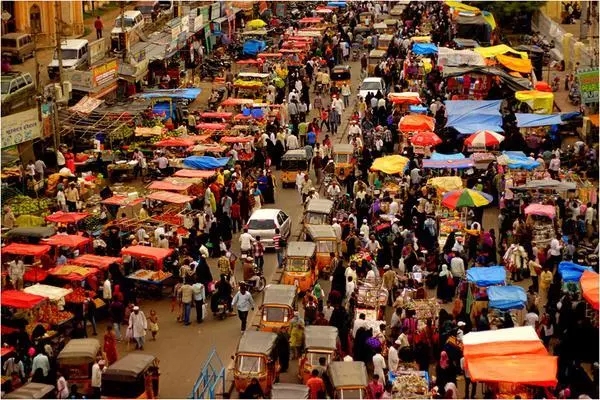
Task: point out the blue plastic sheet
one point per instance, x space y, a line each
486 276
205 162
253 47
518 159
470 116
571 272
336 4
570 115
507 297
418 109
189 94
533 120
444 157
424 48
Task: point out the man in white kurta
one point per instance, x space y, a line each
138 326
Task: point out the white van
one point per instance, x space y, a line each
371 85
74 56
133 19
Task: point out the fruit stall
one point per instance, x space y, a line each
150 278
172 205
31 254
145 257
119 205
72 244
94 261
29 211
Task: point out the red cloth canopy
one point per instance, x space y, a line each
72 276
233 101
155 253
310 20
589 288
269 55
66 217
121 201
169 186
91 260
193 173
526 369
209 126
425 138
174 142
72 241
18 299
248 61
416 122
169 197
4 351
237 139
23 249
225 115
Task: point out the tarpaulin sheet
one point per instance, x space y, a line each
189 94
571 272
336 4
470 116
451 57
518 159
416 122
52 292
18 299
493 51
506 297
121 201
155 253
23 249
547 184
540 102
458 6
237 139
91 260
513 83
194 173
541 209
394 164
205 162
174 142
170 197
417 109
589 288
459 164
405 98
253 47
486 276
61 217
489 19
72 272
533 120
72 241
444 157
526 369
424 48
169 186
236 101
522 65
446 183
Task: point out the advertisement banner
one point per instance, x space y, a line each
98 50
588 84
215 11
81 80
105 73
185 23
20 127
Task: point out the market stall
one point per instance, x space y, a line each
589 288
541 218
505 301
535 128
470 116
150 258
64 218
479 279
32 255
94 261
70 244
128 205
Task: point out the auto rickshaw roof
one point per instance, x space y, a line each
321 206
128 368
31 390
343 148
377 53
280 294
289 391
347 373
318 232
300 249
33 231
296 154
320 337
79 351
257 342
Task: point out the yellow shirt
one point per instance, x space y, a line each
143 214
220 179
545 279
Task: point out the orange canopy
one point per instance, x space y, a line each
169 197
207 126
522 65
589 287
92 260
174 142
193 173
536 370
300 39
155 253
237 139
594 119
291 51
66 217
23 249
121 201
269 55
169 186
310 20
199 138
72 241
503 349
225 115
248 61
416 122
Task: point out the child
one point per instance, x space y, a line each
153 323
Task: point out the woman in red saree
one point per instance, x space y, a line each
110 345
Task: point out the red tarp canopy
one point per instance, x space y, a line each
66 217
199 138
208 126
294 45
525 369
35 275
66 240
23 249
541 209
65 272
242 117
225 115
91 260
174 142
4 351
300 39
169 197
589 287
155 253
169 186
237 139
121 201
311 20
193 173
269 55
291 51
18 299
233 101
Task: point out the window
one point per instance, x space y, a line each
260 224
275 314
313 358
5 86
35 19
296 265
9 42
20 83
316 218
342 158
325 246
352 394
25 40
371 86
280 219
247 364
28 78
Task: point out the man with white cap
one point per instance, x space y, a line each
364 228
393 359
138 326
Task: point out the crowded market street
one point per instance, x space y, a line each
346 199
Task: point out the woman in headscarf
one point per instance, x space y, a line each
445 372
449 242
214 238
445 291
269 192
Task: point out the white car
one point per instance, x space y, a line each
133 19
371 85
263 222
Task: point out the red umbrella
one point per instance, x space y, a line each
425 138
484 139
66 217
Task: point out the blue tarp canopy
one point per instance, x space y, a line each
444 157
253 46
439 160
424 48
189 94
518 159
571 272
486 276
205 162
470 116
506 297
533 120
336 4
418 109
570 115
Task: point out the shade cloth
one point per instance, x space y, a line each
486 276
571 272
155 253
522 65
253 47
52 292
469 116
66 217
518 159
425 138
188 93
121 201
394 164
589 287
174 142
405 98
493 51
72 241
451 57
205 162
450 163
233 101
507 297
194 173
23 249
446 183
211 126
92 260
541 209
444 157
533 120
540 102
536 370
416 122
169 186
424 48
18 299
170 197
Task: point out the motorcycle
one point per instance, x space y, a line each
574 95
257 283
222 309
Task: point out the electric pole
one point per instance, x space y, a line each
58 15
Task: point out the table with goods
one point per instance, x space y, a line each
150 283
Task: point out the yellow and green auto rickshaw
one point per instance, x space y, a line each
375 57
340 75
292 162
343 158
318 212
348 379
299 265
256 357
279 304
319 341
326 241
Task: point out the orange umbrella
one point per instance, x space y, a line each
425 138
416 122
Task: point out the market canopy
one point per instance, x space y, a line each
503 342
405 98
486 276
589 288
61 217
466 198
188 94
546 184
205 162
541 209
517 159
211 126
19 299
23 249
31 232
440 161
234 101
506 297
416 122
540 102
512 82
425 138
524 369
451 57
72 272
118 200
155 253
470 116
169 186
71 241
170 197
571 272
92 260
533 120
394 164
522 65
193 173
493 51
446 183
174 142
52 292
424 48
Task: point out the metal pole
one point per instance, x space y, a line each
584 21
58 19
122 27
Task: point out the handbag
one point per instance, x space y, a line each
450 281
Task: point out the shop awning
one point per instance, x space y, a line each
394 164
502 342
18 299
168 186
522 65
416 122
506 297
193 173
589 287
205 162
22 249
451 57
493 51
572 272
91 260
121 201
60 217
169 197
52 292
72 241
486 276
533 120
155 253
470 116
541 209
535 370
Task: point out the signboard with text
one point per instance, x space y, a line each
215 11
588 84
105 73
21 127
98 76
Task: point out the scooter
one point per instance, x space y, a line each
574 96
222 309
257 283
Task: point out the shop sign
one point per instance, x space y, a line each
21 127
175 31
81 80
588 85
98 50
215 11
105 73
196 23
185 23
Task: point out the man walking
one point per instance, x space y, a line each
98 25
138 325
244 302
187 293
199 295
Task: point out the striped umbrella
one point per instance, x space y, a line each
484 139
466 198
425 138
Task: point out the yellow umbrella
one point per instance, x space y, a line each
256 24
394 164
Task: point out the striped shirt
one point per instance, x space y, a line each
276 239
